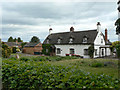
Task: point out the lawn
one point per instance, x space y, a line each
84 64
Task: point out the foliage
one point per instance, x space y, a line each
35 39
19 39
91 51
14 50
97 64
6 51
15 40
117 23
23 44
31 74
118 50
46 49
10 39
17 50
116 45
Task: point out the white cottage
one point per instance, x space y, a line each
78 42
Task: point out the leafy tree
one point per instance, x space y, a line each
35 39
91 51
19 39
117 23
10 39
118 50
112 47
15 40
6 51
23 44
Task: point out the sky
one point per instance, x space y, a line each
28 19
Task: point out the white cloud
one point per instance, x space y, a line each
29 19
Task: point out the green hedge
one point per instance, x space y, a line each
30 74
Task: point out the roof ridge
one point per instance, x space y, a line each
74 31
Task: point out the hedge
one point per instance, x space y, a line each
18 74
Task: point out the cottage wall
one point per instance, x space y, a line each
78 49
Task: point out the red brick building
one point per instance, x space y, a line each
33 48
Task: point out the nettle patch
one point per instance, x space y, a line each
30 74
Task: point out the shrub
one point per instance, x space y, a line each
6 51
14 50
97 64
91 51
36 75
24 59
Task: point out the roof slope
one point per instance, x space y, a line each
13 43
31 44
76 35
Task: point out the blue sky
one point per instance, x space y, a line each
27 19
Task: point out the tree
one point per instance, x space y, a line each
23 44
6 51
118 50
19 39
116 45
91 51
117 23
10 39
15 40
35 39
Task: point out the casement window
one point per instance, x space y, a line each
96 52
58 51
101 40
85 51
71 40
72 51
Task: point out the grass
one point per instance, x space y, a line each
85 65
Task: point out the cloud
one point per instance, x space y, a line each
29 19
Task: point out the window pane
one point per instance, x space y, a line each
72 51
85 51
58 51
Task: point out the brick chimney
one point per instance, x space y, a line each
71 29
106 35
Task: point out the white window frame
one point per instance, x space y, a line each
71 40
85 40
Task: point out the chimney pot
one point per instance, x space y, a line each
71 29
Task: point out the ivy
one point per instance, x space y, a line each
46 49
91 51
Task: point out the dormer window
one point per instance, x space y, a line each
85 39
71 40
47 41
59 40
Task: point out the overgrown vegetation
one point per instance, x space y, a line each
39 72
91 51
46 49
116 47
6 51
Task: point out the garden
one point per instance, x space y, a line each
36 72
